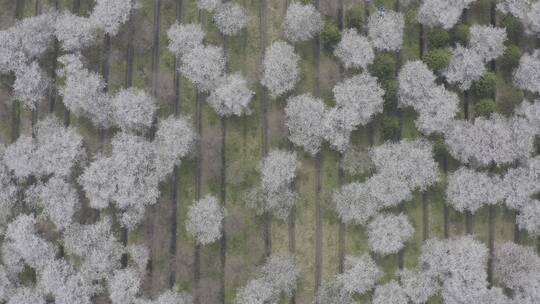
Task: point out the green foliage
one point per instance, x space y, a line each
330 35
390 93
384 66
460 34
390 128
354 18
437 59
508 99
485 107
485 87
514 28
511 56
438 38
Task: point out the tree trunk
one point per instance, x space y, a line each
175 174
469 222
425 216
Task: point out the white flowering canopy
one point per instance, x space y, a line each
280 68
205 220
517 8
75 32
527 75
278 171
418 285
31 85
497 140
278 275
230 18
109 15
204 66
410 161
488 41
232 96
521 183
208 5
185 37
54 151
469 190
466 66
358 100
360 274
83 91
436 106
389 293
304 116
354 50
444 13
387 233
302 22
529 218
361 96
355 204
386 30
133 109
517 267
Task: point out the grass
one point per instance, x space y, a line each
243 152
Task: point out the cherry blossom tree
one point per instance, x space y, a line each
418 285
518 8
75 32
386 30
387 233
469 190
83 91
280 68
230 18
277 174
54 151
520 184
23 295
444 13
517 267
204 66
360 94
302 22
529 218
31 85
416 81
354 50
304 116
360 275
124 286
332 292
354 203
109 15
205 220
278 275
174 140
526 76
256 291
26 246
485 141
409 160
208 5
488 41
97 248
34 35
232 96
466 66
389 293
185 37
133 109
57 198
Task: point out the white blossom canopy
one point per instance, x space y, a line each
304 116
527 75
386 30
185 37
387 233
230 18
354 50
302 22
280 68
205 220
